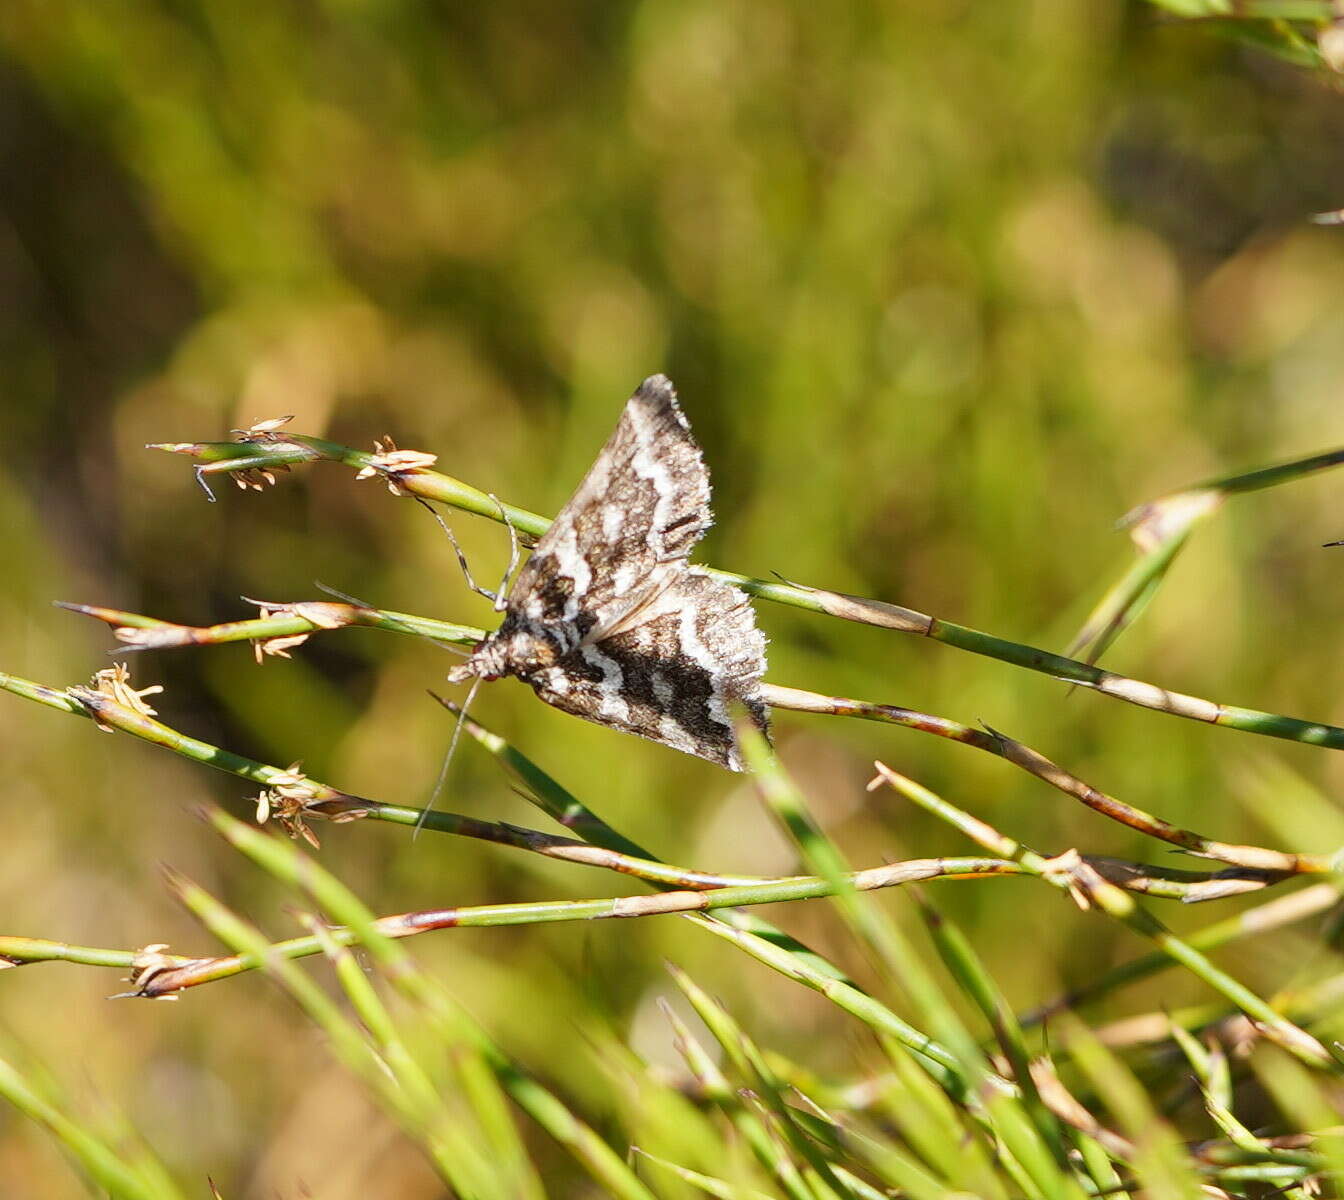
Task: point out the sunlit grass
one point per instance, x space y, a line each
946 290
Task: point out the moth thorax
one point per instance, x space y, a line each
512 652
523 649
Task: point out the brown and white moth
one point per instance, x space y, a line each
607 621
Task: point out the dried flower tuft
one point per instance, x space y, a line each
115 683
393 465
262 431
277 647
257 478
287 800
150 963
1076 875
321 613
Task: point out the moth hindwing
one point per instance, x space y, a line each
608 622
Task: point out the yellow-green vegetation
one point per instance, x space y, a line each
947 289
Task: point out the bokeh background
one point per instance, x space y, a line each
946 288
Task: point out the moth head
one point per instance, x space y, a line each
490 660
487 662
462 672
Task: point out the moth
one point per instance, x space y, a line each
607 621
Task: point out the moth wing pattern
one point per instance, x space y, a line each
606 620
671 671
627 530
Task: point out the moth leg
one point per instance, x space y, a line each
493 597
500 599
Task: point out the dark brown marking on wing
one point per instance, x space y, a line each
648 680
552 589
693 729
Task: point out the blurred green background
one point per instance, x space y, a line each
946 288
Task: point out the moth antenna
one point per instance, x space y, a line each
358 603
340 595
447 759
